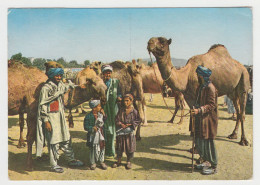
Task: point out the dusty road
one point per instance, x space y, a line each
161 154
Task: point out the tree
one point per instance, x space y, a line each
62 62
86 63
39 63
17 56
26 61
73 63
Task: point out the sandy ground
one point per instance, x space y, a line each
160 155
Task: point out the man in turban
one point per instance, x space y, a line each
111 108
206 122
51 122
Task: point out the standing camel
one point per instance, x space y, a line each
151 81
24 85
228 75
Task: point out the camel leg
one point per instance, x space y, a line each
77 110
70 118
234 133
138 132
182 114
145 115
31 137
243 99
21 142
151 98
82 109
140 107
174 114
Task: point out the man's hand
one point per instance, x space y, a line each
95 129
196 111
123 125
103 112
48 126
119 99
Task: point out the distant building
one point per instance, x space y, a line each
140 61
71 73
31 59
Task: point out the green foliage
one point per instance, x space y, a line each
62 62
73 63
86 63
39 63
26 61
17 56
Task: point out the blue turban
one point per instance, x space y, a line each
204 72
93 103
54 71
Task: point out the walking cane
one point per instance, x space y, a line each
193 138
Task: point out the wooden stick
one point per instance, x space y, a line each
193 140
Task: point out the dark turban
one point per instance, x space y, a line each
54 71
204 72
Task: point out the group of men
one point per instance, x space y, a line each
52 127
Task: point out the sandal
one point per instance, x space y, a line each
103 166
93 166
116 165
57 169
128 165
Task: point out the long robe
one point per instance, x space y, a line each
51 108
111 109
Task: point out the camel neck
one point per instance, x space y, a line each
176 79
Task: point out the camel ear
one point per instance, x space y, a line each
169 41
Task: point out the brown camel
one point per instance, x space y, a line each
151 81
24 85
122 73
228 75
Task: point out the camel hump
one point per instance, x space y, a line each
215 46
219 49
118 65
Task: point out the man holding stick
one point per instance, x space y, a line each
206 122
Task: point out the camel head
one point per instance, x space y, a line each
159 46
134 68
96 66
91 86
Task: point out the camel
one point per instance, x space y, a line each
24 85
121 72
228 75
151 81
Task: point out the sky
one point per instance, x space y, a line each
109 34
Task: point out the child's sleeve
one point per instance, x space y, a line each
137 119
87 123
118 120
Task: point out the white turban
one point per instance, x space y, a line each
93 103
107 68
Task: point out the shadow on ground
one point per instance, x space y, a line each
13 122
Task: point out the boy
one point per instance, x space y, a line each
93 123
126 121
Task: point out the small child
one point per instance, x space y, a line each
93 123
126 121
